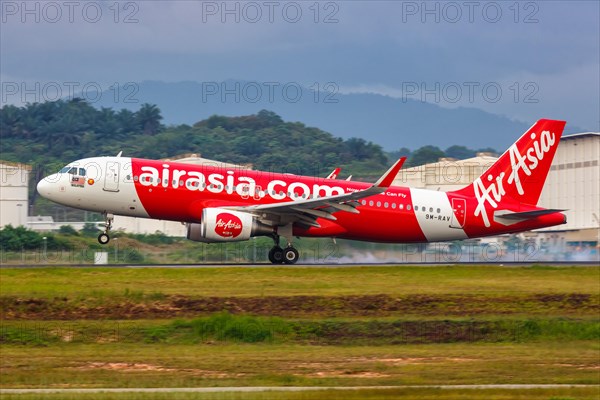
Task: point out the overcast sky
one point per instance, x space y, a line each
525 60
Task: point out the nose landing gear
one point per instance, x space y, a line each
103 238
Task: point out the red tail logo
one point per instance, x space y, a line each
520 172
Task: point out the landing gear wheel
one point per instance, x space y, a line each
276 255
103 238
290 255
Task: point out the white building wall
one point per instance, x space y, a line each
574 182
14 195
446 174
144 225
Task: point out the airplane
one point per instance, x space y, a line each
223 204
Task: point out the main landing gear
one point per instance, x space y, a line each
277 255
103 238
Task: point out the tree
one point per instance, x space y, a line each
15 239
425 155
10 117
459 152
148 118
90 229
393 156
269 118
67 230
126 122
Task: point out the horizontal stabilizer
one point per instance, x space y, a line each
522 215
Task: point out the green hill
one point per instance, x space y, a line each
49 135
54 133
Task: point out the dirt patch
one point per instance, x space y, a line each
420 360
125 367
15 308
346 374
142 367
578 366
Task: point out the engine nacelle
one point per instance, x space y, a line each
221 225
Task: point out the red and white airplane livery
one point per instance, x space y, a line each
228 205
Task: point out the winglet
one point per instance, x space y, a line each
334 174
386 179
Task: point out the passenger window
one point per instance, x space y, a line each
401 206
394 205
408 207
430 209
438 210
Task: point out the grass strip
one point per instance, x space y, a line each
226 327
366 394
48 283
280 364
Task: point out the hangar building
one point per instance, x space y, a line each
573 184
14 195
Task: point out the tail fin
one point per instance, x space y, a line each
521 171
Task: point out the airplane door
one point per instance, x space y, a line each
459 213
111 178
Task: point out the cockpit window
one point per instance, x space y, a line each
73 171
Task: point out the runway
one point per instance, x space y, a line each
341 265
248 389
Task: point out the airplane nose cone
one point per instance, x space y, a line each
47 187
42 188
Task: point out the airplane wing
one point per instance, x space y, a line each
306 211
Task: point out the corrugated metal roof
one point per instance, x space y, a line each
580 135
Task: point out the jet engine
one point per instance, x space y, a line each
221 225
